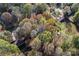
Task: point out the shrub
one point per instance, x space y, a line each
74 8
33 33
76 42
66 45
42 20
35 43
40 28
73 51
40 8
6 17
71 29
6 35
17 11
39 16
9 21
67 53
25 29
58 39
3 8
23 21
34 53
45 36
8 49
58 12
47 15
27 9
1 27
51 21
62 26
76 16
58 51
49 49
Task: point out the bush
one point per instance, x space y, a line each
42 20
67 53
8 49
74 8
17 11
3 8
45 36
1 27
9 21
40 8
51 21
47 14
6 19
49 49
66 45
23 21
24 29
71 29
6 35
35 43
58 51
73 51
58 12
76 42
40 28
34 53
27 9
76 16
33 33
